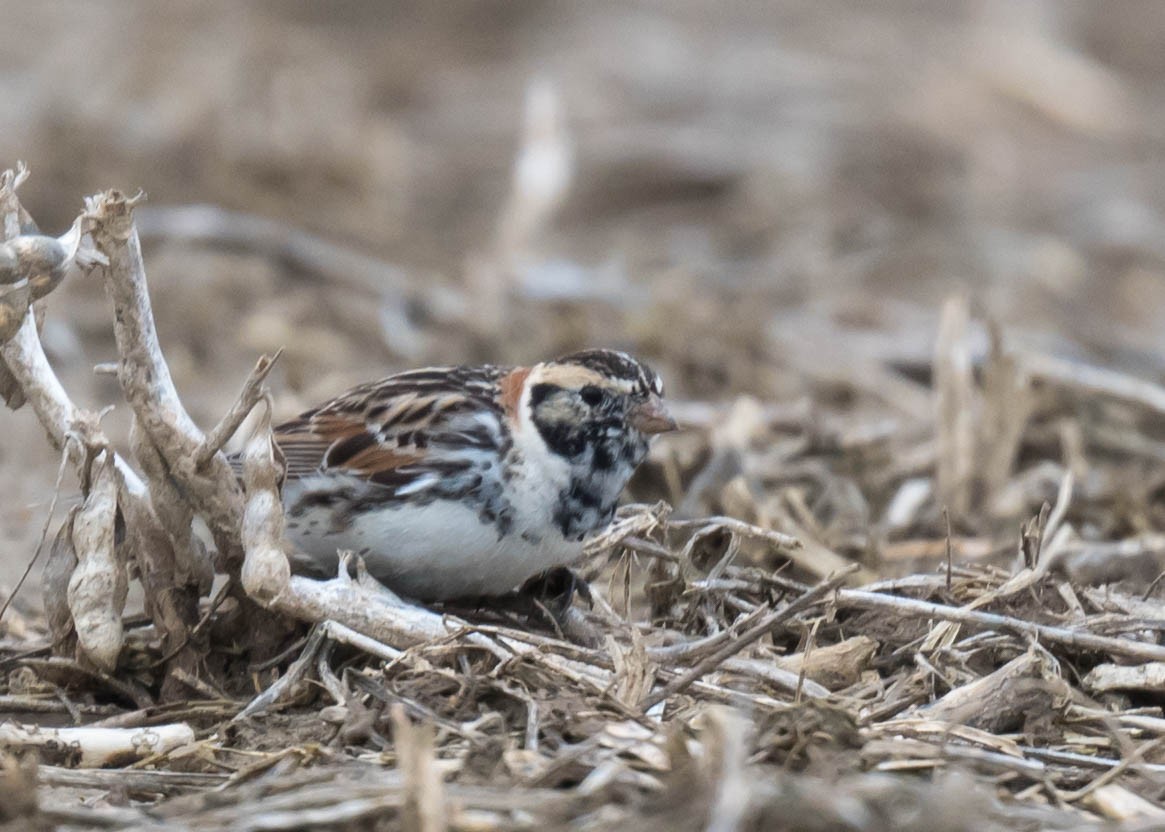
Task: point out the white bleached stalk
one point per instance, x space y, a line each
96 747
97 588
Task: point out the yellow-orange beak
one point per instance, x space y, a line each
651 417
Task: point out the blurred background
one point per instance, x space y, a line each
770 200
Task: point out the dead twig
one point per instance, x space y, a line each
766 625
1077 639
249 396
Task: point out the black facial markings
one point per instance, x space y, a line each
562 436
588 503
591 395
540 393
588 427
569 429
584 495
563 439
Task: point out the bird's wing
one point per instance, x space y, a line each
405 433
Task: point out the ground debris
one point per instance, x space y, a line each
902 271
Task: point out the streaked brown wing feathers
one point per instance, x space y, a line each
376 428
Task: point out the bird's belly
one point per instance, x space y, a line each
432 552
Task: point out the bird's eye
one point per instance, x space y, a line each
591 395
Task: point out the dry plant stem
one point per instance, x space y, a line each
729 750
173 608
362 683
925 751
106 817
954 399
782 543
697 648
1007 406
361 605
320 637
203 711
97 588
132 779
1087 760
25 359
16 219
146 382
338 632
528 644
96 747
58 665
778 677
192 566
1115 802
710 663
1095 381
1000 700
815 558
60 620
295 673
172 612
191 681
1145 677
945 633
350 798
834 665
186 478
14 301
1077 639
424 809
331 682
1135 757
37 705
251 394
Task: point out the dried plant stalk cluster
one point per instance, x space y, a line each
725 674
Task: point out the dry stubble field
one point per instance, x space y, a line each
902 269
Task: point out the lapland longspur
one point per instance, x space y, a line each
454 482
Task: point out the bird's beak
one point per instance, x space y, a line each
651 417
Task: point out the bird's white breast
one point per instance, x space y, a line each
442 549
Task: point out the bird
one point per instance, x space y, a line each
466 481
